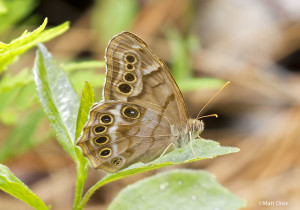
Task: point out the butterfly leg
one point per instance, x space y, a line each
191 144
162 154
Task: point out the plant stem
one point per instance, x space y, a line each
107 179
81 170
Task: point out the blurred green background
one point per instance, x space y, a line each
255 44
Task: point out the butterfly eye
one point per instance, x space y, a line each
106 152
117 161
99 129
129 77
130 112
101 140
130 59
106 119
125 88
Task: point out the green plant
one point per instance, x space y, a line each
12 11
54 89
17 90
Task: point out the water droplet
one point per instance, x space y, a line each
143 198
194 197
163 186
204 185
179 182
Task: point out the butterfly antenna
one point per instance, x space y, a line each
211 115
215 115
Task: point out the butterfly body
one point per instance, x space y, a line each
142 112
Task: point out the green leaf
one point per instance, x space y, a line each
9 81
12 11
51 33
58 98
82 166
25 98
13 186
15 99
203 148
9 52
21 138
178 189
7 115
87 101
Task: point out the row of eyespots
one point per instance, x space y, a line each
105 119
125 87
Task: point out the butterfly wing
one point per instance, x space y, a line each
135 74
142 108
120 134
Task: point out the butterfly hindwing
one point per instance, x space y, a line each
118 131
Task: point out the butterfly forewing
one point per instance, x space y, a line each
153 85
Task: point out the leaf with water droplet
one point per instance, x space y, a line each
163 186
204 149
194 197
177 196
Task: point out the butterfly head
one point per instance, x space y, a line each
196 127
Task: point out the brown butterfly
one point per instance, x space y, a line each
142 115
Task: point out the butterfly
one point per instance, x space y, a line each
142 114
